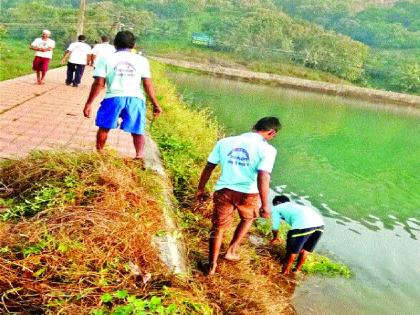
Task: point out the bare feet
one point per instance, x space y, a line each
42 81
140 161
207 268
232 257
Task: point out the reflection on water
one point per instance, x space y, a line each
358 163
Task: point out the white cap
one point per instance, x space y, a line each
46 32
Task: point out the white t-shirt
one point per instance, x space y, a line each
40 43
241 157
102 50
79 52
123 72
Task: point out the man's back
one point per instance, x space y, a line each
299 216
123 72
102 50
241 157
79 52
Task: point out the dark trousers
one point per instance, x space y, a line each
74 73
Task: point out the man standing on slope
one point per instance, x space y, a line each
78 54
247 161
122 72
101 50
43 47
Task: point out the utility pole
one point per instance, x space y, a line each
81 18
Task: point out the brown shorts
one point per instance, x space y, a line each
225 203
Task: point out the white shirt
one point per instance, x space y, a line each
79 52
102 50
40 43
123 72
241 157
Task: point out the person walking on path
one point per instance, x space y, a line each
43 47
101 50
122 73
246 161
307 228
78 54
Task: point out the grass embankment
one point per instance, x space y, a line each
76 238
16 58
77 230
185 138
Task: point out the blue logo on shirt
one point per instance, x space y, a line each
125 68
239 156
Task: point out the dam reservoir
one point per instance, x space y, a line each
358 163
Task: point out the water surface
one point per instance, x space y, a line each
358 164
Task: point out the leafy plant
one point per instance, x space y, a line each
133 305
317 264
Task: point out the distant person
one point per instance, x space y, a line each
246 161
122 73
78 54
101 50
307 228
43 47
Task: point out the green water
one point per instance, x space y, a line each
358 163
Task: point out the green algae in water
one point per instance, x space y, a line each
321 265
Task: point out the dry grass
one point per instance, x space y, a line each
185 138
252 285
64 257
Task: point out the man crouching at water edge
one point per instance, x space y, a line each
246 161
122 72
307 228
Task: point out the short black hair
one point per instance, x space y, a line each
267 123
104 38
124 39
81 37
280 199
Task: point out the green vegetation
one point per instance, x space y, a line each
320 40
76 225
154 305
317 264
77 229
393 33
16 58
185 137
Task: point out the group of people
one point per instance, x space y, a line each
78 55
246 160
246 164
116 67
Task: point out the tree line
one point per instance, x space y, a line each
324 35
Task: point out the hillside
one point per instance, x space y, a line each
320 40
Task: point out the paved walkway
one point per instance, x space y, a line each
49 116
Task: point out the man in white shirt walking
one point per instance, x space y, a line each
122 73
101 50
43 47
78 54
246 161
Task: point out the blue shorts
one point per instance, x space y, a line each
132 110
